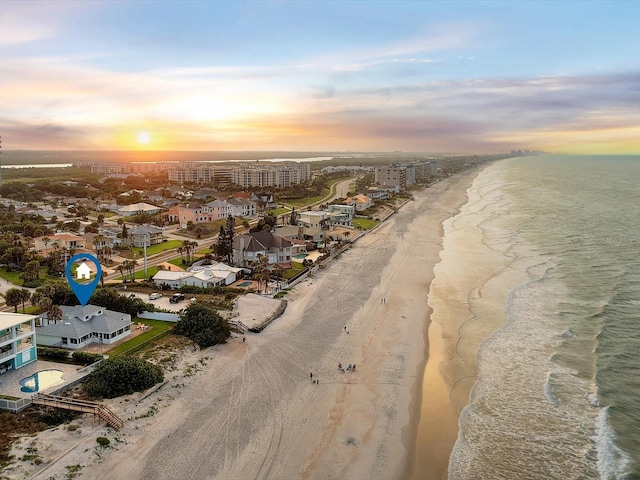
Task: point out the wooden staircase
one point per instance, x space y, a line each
83 406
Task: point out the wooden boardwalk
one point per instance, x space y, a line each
83 406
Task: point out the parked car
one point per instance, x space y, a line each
155 296
176 297
133 295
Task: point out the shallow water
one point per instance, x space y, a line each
41 380
557 394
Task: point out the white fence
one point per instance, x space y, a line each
165 317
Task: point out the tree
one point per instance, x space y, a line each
46 241
120 375
261 272
188 247
293 218
112 300
203 325
121 269
59 292
130 267
346 236
225 240
181 251
55 313
31 272
44 303
13 298
25 295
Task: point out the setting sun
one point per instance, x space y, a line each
144 138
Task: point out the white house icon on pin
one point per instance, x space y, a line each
83 271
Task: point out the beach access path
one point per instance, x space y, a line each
253 412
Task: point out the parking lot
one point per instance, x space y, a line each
163 302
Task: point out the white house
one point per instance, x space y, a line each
360 201
137 208
81 326
198 276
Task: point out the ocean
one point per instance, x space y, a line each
551 289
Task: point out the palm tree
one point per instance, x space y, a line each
347 235
181 252
45 304
97 245
46 241
121 268
130 266
25 295
188 247
55 313
261 271
13 298
31 271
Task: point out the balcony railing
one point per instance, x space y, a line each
6 354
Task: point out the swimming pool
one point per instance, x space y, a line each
244 284
300 255
41 380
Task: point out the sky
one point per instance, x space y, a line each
434 77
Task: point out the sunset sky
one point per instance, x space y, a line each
321 76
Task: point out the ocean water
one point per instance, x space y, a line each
557 395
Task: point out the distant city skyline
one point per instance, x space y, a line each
478 77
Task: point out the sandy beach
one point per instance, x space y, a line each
250 411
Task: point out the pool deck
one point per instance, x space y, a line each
10 381
252 284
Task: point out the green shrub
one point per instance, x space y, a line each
86 358
54 353
103 441
203 325
121 375
56 417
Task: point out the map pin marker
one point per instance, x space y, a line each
83 291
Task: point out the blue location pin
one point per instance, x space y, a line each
83 291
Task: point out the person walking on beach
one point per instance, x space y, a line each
311 375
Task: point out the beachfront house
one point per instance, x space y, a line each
360 202
249 247
81 326
17 340
199 276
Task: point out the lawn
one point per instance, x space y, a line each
158 248
306 201
364 223
279 211
139 274
326 191
14 277
296 268
158 328
178 262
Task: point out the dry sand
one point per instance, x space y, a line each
250 411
